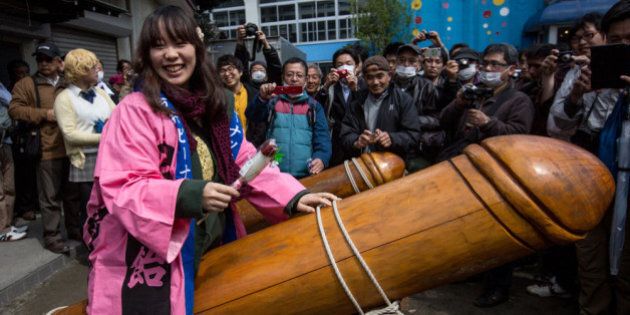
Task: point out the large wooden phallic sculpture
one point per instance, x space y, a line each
497 202
370 169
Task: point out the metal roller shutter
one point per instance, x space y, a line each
104 47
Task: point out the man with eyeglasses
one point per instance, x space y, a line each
592 119
422 93
230 72
578 113
32 103
504 111
295 120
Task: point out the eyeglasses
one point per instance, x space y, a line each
297 75
226 69
587 36
493 64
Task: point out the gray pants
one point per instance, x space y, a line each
7 188
55 190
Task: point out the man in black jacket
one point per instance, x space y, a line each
381 118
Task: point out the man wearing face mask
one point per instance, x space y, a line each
340 86
258 72
423 97
296 121
382 117
506 112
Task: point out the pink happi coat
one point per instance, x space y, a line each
132 205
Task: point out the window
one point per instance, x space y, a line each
286 12
345 28
325 8
221 19
231 3
268 14
307 10
269 1
237 17
344 7
332 30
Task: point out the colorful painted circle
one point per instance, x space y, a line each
487 14
489 32
418 20
484 2
416 5
497 33
485 25
415 32
504 24
449 19
505 11
498 2
445 5
449 29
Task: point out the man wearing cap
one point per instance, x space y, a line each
382 117
32 103
423 96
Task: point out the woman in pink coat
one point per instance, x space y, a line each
166 158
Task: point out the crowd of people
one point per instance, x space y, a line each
135 161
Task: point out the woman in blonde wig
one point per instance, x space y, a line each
81 111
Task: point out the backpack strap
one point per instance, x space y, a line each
38 100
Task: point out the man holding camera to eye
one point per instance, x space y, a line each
258 72
493 108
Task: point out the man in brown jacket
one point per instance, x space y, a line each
52 169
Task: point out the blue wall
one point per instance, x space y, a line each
321 52
476 22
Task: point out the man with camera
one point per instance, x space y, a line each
340 88
258 72
578 113
493 108
382 117
596 120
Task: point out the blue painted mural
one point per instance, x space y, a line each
476 22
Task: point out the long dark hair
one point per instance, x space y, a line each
179 26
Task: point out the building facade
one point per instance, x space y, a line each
318 28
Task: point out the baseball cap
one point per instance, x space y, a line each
48 49
415 49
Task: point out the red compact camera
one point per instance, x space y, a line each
342 73
287 89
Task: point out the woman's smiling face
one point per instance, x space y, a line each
173 60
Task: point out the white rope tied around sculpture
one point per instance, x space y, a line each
392 308
353 182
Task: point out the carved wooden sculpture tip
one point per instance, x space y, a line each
566 185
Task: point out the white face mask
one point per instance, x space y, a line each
490 79
258 76
349 68
101 75
467 73
406 72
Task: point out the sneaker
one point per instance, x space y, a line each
58 247
12 236
548 289
19 229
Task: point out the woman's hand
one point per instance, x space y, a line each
216 197
309 202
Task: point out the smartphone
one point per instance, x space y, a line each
287 89
608 63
